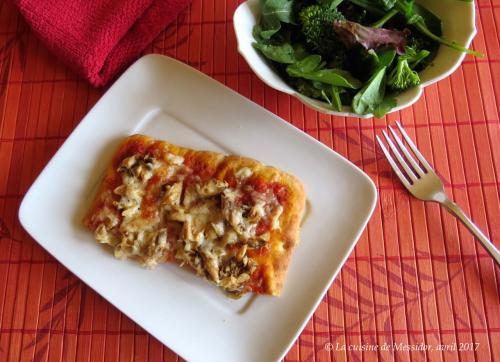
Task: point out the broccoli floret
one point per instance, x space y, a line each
402 76
419 45
317 27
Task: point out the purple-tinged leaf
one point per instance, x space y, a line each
352 33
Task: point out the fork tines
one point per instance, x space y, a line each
404 164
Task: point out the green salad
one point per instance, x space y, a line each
358 53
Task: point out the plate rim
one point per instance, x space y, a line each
24 218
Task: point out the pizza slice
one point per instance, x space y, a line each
233 220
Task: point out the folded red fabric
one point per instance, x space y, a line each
98 38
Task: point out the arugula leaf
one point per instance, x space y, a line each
372 60
337 77
371 96
274 12
281 9
352 33
309 64
383 108
386 57
283 53
311 68
405 7
336 102
332 4
331 94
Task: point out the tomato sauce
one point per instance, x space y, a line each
257 283
198 167
155 150
262 227
263 250
258 184
280 192
231 180
131 148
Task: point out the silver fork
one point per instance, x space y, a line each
424 184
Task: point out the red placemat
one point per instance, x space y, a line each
415 279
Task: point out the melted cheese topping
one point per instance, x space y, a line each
204 223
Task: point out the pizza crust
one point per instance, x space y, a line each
227 169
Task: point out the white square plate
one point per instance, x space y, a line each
166 99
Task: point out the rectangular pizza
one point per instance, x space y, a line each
232 220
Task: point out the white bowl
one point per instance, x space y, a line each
458 18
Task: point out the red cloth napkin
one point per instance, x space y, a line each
98 38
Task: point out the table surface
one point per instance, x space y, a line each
416 276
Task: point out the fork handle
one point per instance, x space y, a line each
454 209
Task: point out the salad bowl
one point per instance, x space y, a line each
458 24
